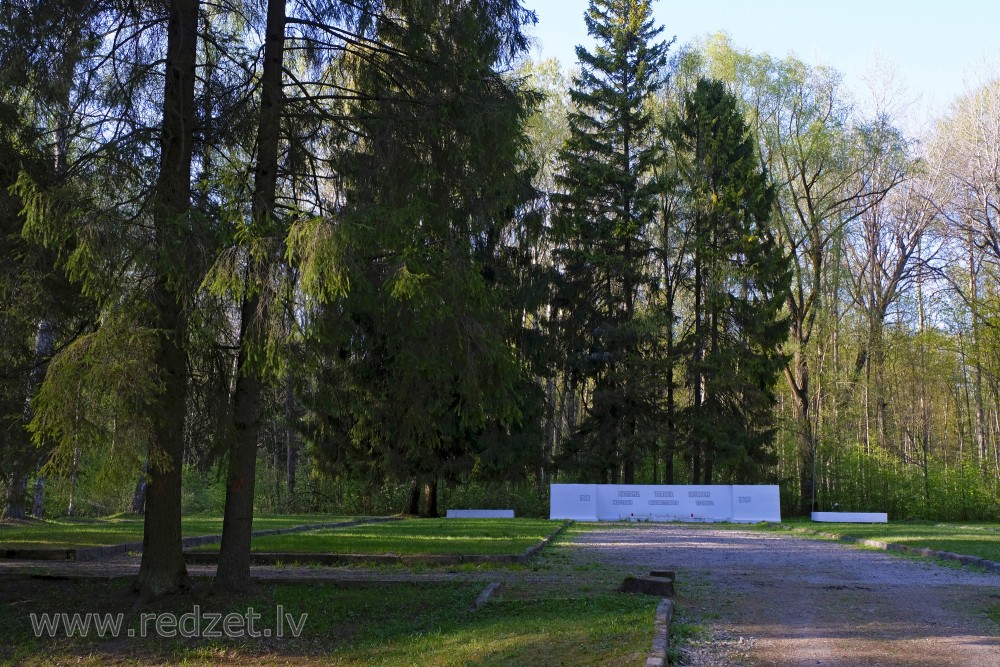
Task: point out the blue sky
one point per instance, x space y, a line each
936 47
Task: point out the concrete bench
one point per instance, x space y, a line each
480 514
851 517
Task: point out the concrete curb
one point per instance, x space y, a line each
532 551
661 633
309 558
924 552
111 550
484 597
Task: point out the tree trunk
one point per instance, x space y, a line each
234 554
17 489
72 481
291 441
38 502
233 573
139 495
162 569
798 380
430 508
413 499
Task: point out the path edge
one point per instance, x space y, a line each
661 633
924 552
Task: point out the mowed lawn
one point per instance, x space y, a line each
563 611
415 536
117 530
980 540
400 624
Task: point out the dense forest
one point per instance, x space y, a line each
353 255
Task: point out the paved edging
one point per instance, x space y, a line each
111 550
532 551
975 561
485 595
661 633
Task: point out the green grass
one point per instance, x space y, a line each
415 536
980 540
558 612
116 530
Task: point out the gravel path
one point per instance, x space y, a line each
774 599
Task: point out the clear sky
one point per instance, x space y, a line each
937 47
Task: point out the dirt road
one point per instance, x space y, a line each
774 599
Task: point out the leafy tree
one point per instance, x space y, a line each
738 281
607 203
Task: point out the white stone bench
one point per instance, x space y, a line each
480 514
850 517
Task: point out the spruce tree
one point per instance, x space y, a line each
604 212
415 366
738 278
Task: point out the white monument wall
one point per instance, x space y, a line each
644 502
573 501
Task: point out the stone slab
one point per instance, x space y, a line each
659 586
850 517
480 514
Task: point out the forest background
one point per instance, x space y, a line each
398 276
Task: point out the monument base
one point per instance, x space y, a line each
480 514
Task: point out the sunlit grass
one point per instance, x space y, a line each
416 536
65 533
980 540
548 618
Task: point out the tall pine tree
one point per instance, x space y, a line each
738 278
605 209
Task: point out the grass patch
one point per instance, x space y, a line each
119 529
981 540
993 613
414 536
559 612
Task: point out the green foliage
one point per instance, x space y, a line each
604 210
96 379
418 359
738 281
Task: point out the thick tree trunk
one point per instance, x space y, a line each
233 573
17 489
162 569
234 555
430 508
413 499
